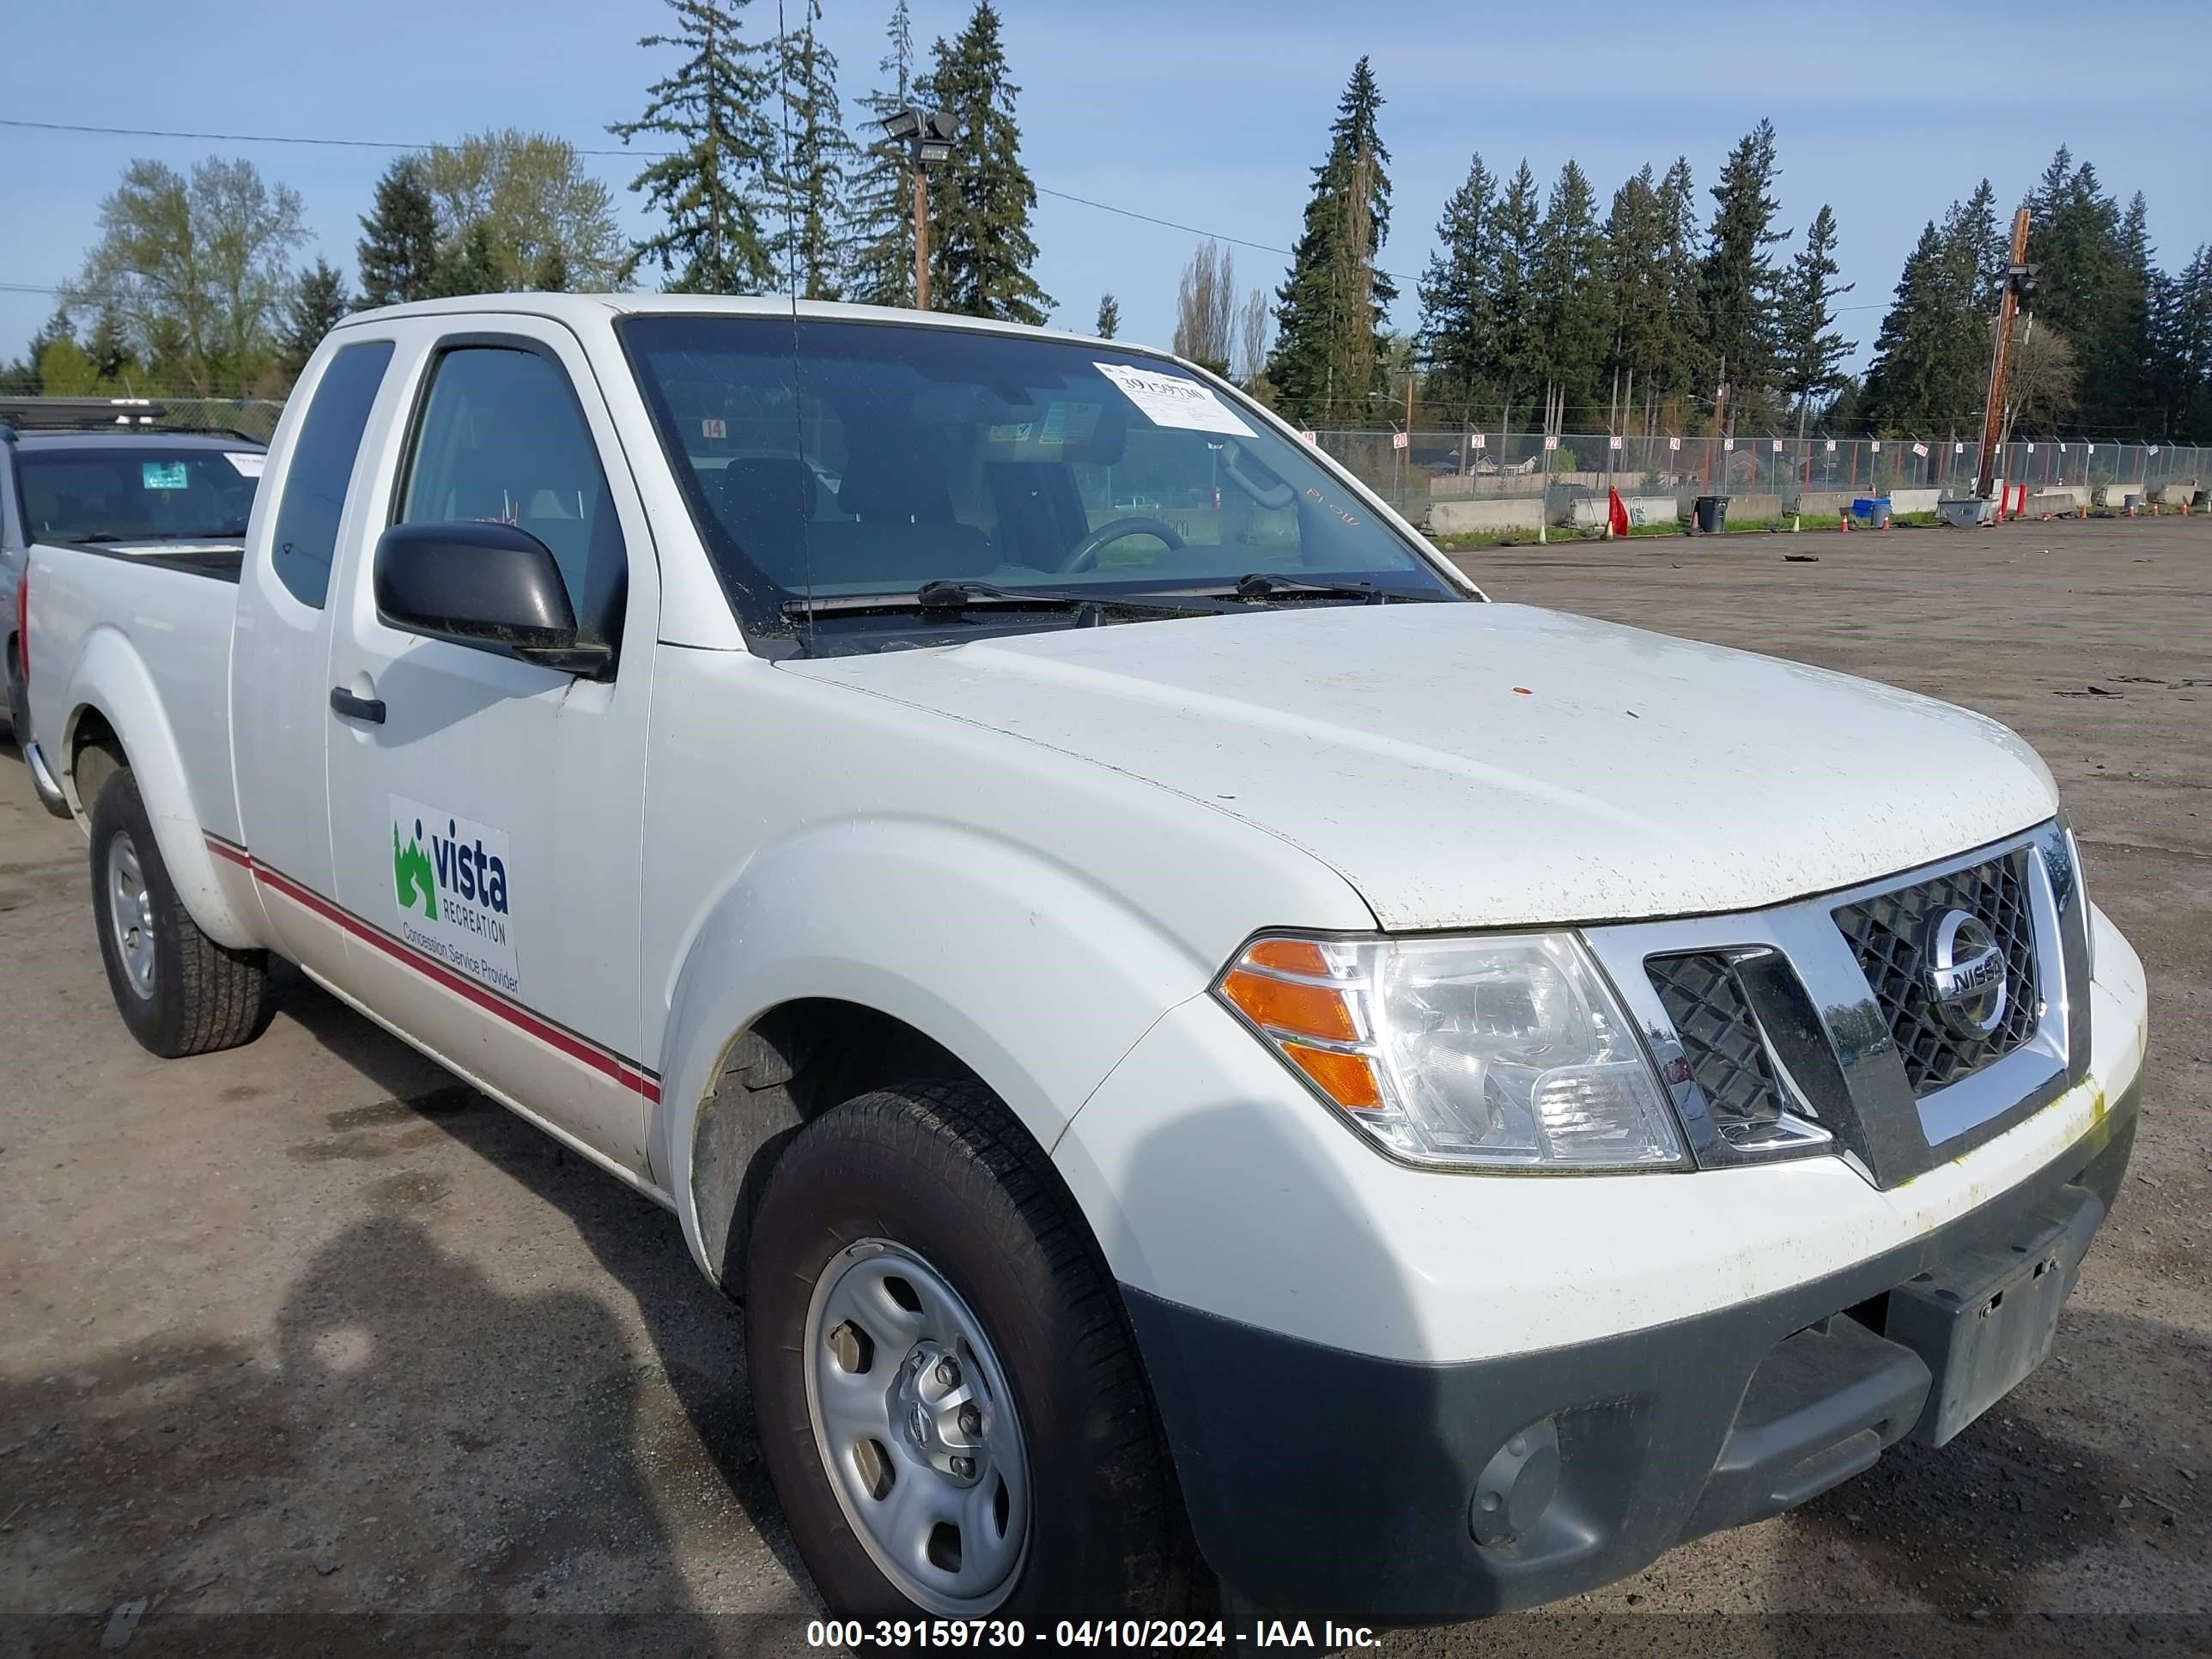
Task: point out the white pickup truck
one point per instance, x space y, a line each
1218 1060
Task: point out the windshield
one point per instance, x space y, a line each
146 492
824 459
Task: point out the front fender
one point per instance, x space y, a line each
1035 975
110 679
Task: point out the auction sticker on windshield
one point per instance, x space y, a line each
450 878
1170 400
247 463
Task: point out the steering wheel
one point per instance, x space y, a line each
1084 556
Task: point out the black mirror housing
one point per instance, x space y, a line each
480 583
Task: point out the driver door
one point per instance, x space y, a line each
484 809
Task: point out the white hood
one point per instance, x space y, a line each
1478 765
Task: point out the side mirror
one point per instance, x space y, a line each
479 583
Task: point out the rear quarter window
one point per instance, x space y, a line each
321 468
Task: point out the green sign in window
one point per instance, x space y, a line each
163 475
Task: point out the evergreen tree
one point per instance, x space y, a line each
470 265
710 189
1811 353
980 246
879 231
1328 353
1568 293
1992 245
1512 363
109 348
1737 284
1930 371
318 305
551 274
1678 219
1456 289
2074 237
809 249
23 378
1109 318
397 254
1635 278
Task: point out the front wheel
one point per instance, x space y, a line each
178 991
949 1396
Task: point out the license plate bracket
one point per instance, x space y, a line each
1983 1318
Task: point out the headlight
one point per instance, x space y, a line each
1506 1052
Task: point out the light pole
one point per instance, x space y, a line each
928 135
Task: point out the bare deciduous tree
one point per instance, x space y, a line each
1254 322
2040 378
1206 308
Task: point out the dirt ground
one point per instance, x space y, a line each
305 1347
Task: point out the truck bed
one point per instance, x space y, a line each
170 614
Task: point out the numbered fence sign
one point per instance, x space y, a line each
1958 449
1831 446
1613 443
1481 440
2088 449
2031 449
1551 442
1777 446
1398 441
1310 438
2150 449
1877 446
1727 444
1674 445
1920 450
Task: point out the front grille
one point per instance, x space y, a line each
1726 1056
1889 934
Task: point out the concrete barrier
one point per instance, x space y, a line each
1459 518
2115 496
2176 494
1826 506
1902 501
2054 501
1590 513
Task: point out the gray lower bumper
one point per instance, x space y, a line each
1329 1483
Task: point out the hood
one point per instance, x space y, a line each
1469 765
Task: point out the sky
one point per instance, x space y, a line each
1210 115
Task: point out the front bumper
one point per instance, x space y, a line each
1323 1481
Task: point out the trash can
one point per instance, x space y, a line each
1712 514
1875 509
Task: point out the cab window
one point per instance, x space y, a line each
321 468
500 440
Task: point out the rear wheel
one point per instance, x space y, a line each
178 990
949 1397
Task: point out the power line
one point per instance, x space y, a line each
639 154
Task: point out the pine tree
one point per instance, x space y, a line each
880 229
469 265
398 253
1569 296
108 346
1737 282
1810 355
809 249
551 274
710 190
1454 290
1110 317
1635 292
1902 385
1512 362
980 249
318 305
2074 237
1329 351
1678 219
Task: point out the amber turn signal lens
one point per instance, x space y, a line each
1347 1079
1289 955
1279 1004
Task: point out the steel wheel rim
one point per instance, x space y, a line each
130 914
915 1451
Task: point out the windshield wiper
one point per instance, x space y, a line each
952 597
1263 585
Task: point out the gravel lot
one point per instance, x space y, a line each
305 1347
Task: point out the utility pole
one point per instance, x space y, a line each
2019 282
921 238
928 138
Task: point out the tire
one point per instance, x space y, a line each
935 1179
178 990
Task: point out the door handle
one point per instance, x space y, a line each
343 702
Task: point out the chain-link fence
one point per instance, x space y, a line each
248 417
1765 476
